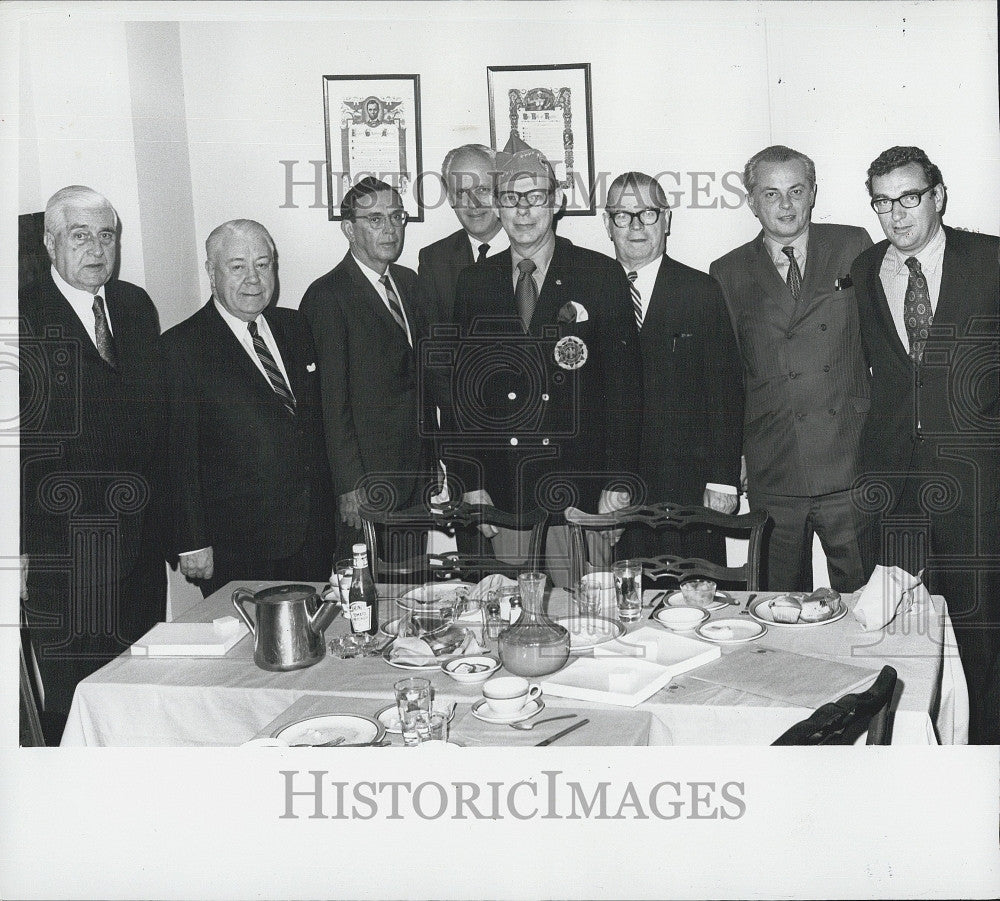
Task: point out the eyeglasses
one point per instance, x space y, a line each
909 201
378 220
535 197
625 218
482 194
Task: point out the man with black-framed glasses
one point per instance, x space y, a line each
545 396
929 303
366 321
692 382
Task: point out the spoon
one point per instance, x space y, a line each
528 726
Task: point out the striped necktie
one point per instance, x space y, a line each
636 298
102 334
794 277
274 375
394 307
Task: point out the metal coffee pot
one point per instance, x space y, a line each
291 620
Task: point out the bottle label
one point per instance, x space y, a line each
361 616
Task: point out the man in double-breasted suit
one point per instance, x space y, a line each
251 487
367 323
793 310
93 422
692 382
545 394
929 300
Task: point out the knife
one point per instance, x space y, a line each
566 731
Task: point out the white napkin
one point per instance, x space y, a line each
889 592
411 650
495 582
470 645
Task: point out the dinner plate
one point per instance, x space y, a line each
388 716
403 664
482 712
587 632
356 730
762 613
432 594
730 631
677 599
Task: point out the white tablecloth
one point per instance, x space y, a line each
139 701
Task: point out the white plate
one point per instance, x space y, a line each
388 716
402 664
588 632
315 730
677 599
481 712
741 630
762 613
431 594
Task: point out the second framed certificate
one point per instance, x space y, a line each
549 108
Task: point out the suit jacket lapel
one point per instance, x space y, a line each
234 353
288 354
954 275
461 255
877 292
774 288
61 313
661 302
553 293
370 299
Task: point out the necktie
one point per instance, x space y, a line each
636 298
794 277
394 307
917 309
483 250
105 340
526 292
274 375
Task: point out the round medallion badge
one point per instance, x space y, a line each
570 352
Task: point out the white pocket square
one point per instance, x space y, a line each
311 367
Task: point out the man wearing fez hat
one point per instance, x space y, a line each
544 395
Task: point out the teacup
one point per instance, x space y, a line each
507 695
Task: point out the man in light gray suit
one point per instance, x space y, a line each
807 384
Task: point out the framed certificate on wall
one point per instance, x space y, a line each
549 108
373 129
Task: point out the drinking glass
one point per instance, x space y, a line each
343 571
433 727
413 700
628 589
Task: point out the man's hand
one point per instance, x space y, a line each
608 502
350 503
481 497
722 501
198 565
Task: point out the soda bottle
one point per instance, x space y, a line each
363 599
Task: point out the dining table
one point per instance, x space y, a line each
749 696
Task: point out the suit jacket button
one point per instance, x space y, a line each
511 396
792 375
545 441
513 441
545 397
788 335
833 412
826 368
800 416
822 328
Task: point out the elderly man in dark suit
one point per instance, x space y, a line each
251 489
929 299
692 383
92 433
792 306
467 172
545 390
366 322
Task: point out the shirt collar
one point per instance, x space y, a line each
930 257
238 326
76 295
541 257
497 243
651 269
801 243
370 273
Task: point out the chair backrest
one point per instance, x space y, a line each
841 722
445 518
29 723
674 516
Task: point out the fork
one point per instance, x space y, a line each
528 726
746 609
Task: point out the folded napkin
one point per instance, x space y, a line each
889 592
411 650
495 582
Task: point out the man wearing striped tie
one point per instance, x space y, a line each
692 383
251 487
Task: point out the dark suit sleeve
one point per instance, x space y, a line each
329 332
723 381
429 296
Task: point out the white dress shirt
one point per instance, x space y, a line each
82 303
895 277
542 260
243 335
374 277
780 258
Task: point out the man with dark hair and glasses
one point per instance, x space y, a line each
546 399
796 323
692 382
366 322
929 302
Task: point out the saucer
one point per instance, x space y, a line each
388 716
481 711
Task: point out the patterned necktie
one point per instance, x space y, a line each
917 309
794 277
102 333
636 298
526 292
394 307
483 250
274 375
